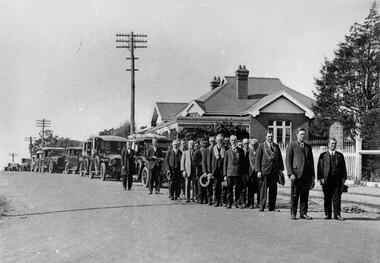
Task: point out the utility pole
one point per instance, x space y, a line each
30 139
43 124
131 41
13 156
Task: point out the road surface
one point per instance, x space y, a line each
68 218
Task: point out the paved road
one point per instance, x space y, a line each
66 218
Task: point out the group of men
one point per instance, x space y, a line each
235 173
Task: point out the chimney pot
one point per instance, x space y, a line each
215 83
242 82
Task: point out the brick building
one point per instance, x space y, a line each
257 103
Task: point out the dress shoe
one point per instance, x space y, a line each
306 217
171 198
247 205
273 210
261 210
257 206
293 217
327 217
175 198
150 193
252 207
209 203
339 218
201 202
157 193
216 204
187 201
125 189
229 206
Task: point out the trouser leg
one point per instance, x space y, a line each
218 190
337 197
230 187
294 195
130 181
304 198
272 192
327 199
210 191
263 191
188 182
238 189
124 181
151 180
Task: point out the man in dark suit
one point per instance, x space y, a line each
128 165
245 173
233 170
253 182
173 165
202 195
269 166
215 166
206 168
155 159
300 168
332 174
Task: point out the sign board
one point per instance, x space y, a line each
336 131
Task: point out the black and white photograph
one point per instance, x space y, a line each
190 131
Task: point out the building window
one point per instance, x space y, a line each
282 131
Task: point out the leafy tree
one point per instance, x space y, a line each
123 130
225 128
54 141
348 86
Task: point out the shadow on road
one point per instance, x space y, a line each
362 219
87 209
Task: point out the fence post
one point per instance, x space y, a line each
358 157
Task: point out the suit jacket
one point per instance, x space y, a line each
149 156
245 162
173 160
213 158
266 160
252 162
206 160
189 161
233 162
299 162
325 168
128 161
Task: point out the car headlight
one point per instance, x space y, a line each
112 161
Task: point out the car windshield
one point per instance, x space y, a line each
54 152
109 147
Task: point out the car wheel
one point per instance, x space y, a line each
145 177
103 171
51 168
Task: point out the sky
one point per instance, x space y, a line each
59 59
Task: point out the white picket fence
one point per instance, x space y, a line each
349 152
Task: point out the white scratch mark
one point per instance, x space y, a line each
60 46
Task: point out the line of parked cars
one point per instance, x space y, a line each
99 156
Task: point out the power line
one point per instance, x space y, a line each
30 139
13 156
131 43
43 124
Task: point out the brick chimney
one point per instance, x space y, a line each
215 83
242 83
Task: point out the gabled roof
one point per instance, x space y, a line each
112 138
223 100
168 110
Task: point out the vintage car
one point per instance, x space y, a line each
105 159
13 167
25 165
141 144
72 161
52 159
